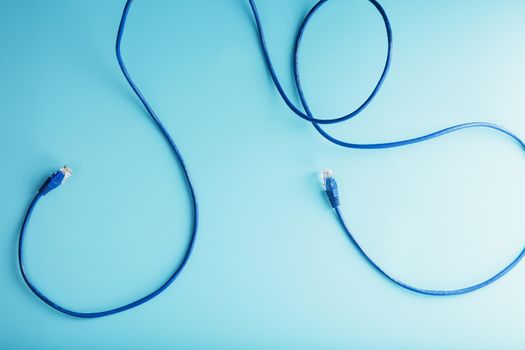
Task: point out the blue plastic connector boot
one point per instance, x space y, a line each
330 187
56 179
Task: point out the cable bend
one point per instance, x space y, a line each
329 183
432 292
308 116
317 122
58 178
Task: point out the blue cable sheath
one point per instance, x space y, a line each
432 292
308 115
191 190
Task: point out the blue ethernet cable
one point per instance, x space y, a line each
332 194
61 176
329 184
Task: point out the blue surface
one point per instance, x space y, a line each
271 268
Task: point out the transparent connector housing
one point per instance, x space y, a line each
326 174
67 172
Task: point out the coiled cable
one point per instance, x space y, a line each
329 183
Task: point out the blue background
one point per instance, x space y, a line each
271 268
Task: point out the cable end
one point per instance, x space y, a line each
67 172
330 187
56 179
326 174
